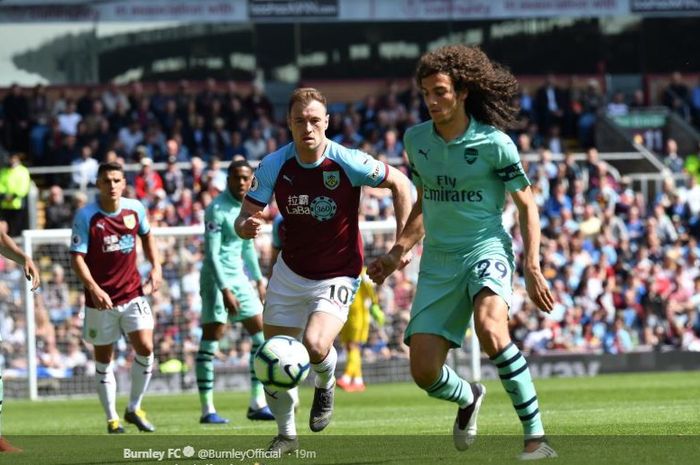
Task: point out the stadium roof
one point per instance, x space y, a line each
327 10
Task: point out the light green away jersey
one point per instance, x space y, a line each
224 251
464 183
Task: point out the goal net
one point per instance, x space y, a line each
43 353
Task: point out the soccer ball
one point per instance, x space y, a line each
281 362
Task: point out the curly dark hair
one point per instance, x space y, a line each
491 86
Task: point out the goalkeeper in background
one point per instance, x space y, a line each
354 333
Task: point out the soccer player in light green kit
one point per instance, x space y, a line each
462 166
10 250
227 294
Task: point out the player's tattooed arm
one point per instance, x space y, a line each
249 221
536 284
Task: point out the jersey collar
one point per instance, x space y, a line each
106 213
468 133
230 196
326 151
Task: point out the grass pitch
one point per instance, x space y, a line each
651 418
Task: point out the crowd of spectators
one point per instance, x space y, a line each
624 269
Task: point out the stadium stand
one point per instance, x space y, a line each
624 267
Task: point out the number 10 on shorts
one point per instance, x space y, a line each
340 294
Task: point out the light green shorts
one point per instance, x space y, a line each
213 310
448 284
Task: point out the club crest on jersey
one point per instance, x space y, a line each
470 155
130 221
323 208
254 184
331 179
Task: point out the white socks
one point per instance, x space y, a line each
325 370
107 389
281 405
141 372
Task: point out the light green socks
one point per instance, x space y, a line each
449 386
516 380
257 395
205 374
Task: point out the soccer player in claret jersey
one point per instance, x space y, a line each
227 294
103 255
462 166
10 250
316 184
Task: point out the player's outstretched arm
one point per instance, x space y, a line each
249 220
529 218
412 232
9 249
100 298
150 250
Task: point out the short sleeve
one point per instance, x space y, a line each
363 169
144 225
415 176
263 183
79 234
509 168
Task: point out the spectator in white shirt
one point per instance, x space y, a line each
618 107
84 169
693 195
112 96
69 119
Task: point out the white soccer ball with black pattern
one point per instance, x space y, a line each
281 363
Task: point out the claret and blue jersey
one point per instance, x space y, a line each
320 204
108 243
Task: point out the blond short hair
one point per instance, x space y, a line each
305 95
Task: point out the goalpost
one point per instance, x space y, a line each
175 307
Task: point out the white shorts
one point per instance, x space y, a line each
103 327
291 298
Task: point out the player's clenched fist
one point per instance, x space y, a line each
250 228
382 267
